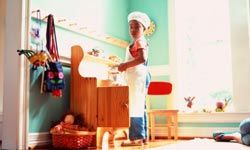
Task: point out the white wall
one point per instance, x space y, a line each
2 32
2 41
239 11
11 75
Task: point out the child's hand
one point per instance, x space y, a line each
122 67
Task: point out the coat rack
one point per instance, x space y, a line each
85 31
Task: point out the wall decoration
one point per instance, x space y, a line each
151 29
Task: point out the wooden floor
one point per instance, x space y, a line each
157 143
117 145
164 144
192 144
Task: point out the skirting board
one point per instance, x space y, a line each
225 117
1 130
194 131
1 126
39 139
43 138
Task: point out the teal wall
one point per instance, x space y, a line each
116 18
158 42
44 108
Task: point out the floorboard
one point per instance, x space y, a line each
165 144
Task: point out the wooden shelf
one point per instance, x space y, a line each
89 64
100 60
87 57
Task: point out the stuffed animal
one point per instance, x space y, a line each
189 101
69 123
37 59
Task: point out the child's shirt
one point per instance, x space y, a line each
139 43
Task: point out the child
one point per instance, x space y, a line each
243 136
136 73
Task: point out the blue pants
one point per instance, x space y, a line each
245 131
138 127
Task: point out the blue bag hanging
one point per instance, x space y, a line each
54 81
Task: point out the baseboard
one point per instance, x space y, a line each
216 117
44 138
194 131
1 126
39 139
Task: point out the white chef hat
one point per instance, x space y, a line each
140 17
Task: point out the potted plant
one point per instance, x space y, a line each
222 99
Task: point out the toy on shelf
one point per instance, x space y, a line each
95 52
221 105
189 101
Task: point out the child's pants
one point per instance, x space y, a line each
137 128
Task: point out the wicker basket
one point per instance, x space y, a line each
79 139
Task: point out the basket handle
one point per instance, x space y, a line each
77 132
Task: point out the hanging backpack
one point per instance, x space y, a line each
54 81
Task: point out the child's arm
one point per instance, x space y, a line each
141 58
138 60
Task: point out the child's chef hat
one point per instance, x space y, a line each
140 17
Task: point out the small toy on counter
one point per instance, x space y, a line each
114 58
116 76
112 74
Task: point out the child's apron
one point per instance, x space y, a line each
136 80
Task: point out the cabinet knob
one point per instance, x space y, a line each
125 105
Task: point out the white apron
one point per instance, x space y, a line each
136 80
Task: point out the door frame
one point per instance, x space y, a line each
16 76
